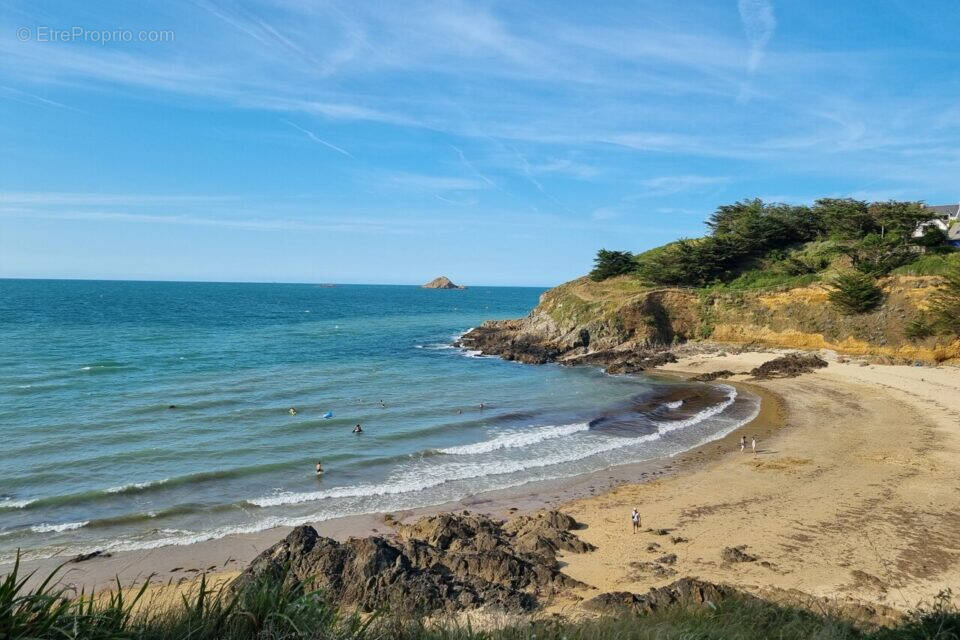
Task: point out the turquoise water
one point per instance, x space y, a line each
138 414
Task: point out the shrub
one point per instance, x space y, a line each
608 264
919 328
945 304
855 292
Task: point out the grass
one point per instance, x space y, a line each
273 610
931 264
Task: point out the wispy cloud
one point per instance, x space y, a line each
668 185
318 139
759 25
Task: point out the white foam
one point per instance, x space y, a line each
517 439
700 416
676 404
10 503
133 485
56 528
426 476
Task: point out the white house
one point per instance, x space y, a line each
945 217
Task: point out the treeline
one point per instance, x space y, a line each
877 237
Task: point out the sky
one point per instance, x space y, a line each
497 143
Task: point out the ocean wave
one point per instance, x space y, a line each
425 477
134 487
676 404
665 426
56 528
13 503
516 439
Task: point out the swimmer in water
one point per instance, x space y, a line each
319 468
292 411
358 429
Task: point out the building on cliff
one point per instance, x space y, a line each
946 218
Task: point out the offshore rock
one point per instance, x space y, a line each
442 282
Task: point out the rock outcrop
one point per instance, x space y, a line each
442 282
620 323
446 562
686 591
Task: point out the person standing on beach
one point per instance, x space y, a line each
753 445
635 518
743 443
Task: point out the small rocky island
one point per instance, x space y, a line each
442 282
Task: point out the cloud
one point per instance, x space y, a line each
759 26
319 140
667 185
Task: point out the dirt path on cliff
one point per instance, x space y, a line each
856 498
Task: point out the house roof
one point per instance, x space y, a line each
951 210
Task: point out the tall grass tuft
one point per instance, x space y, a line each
278 609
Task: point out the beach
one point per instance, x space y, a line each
853 496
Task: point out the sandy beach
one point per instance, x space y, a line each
853 495
857 497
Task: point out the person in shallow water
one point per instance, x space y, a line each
319 468
292 411
358 429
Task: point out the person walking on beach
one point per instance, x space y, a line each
753 445
635 518
743 443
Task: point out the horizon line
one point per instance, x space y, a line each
317 283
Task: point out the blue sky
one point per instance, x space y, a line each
493 142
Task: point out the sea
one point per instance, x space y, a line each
136 415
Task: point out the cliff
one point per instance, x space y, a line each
442 282
599 322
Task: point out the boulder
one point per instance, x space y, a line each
788 366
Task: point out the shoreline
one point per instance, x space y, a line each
228 555
853 459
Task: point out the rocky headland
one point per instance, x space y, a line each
626 327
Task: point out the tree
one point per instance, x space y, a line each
844 217
855 292
900 218
608 264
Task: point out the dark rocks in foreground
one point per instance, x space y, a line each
447 562
686 591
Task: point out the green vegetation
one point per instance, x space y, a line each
945 304
273 610
855 292
608 264
753 245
